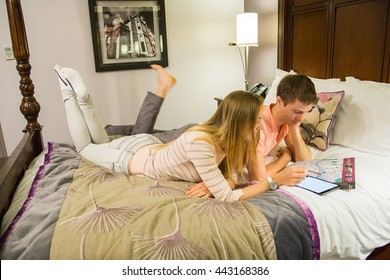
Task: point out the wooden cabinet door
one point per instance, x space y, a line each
335 38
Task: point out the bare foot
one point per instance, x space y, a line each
165 81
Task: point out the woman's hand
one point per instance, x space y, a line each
290 175
199 190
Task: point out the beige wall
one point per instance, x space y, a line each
3 150
198 33
263 59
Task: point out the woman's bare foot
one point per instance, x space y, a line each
165 81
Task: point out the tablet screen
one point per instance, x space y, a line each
317 185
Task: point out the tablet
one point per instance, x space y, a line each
317 185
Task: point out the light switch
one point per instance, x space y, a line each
9 54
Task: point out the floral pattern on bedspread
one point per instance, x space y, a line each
114 216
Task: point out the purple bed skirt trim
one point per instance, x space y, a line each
31 193
315 237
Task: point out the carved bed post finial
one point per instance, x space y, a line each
29 107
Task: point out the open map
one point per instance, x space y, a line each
341 171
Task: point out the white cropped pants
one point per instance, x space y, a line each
91 140
116 155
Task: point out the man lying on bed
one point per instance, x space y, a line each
296 96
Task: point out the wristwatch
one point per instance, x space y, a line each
272 184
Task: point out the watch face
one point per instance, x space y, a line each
273 185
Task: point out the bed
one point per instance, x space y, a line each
57 205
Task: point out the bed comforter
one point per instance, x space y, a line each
69 208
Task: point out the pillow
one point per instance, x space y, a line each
271 95
363 119
317 126
321 85
355 81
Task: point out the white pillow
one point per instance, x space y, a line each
355 81
324 85
321 85
362 122
271 95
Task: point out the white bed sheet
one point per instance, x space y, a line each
352 223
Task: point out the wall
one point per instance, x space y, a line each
3 150
198 32
263 59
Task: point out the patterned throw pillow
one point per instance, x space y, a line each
317 126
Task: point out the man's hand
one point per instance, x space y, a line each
295 127
294 140
286 152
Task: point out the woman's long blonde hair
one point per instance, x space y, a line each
236 115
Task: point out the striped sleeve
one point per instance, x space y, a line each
203 157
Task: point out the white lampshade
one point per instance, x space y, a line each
246 29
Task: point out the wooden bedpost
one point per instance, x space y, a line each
31 145
29 107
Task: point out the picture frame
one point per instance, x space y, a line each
128 34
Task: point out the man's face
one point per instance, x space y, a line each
294 113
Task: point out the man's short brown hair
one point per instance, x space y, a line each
297 87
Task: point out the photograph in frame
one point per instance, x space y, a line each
128 34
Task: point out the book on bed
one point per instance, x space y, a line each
336 170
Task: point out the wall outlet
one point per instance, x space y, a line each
9 54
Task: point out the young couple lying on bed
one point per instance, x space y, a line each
213 154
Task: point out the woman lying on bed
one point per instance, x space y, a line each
212 152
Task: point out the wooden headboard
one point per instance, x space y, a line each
335 38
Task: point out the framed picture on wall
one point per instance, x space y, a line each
128 34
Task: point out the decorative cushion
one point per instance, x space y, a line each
363 120
317 126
